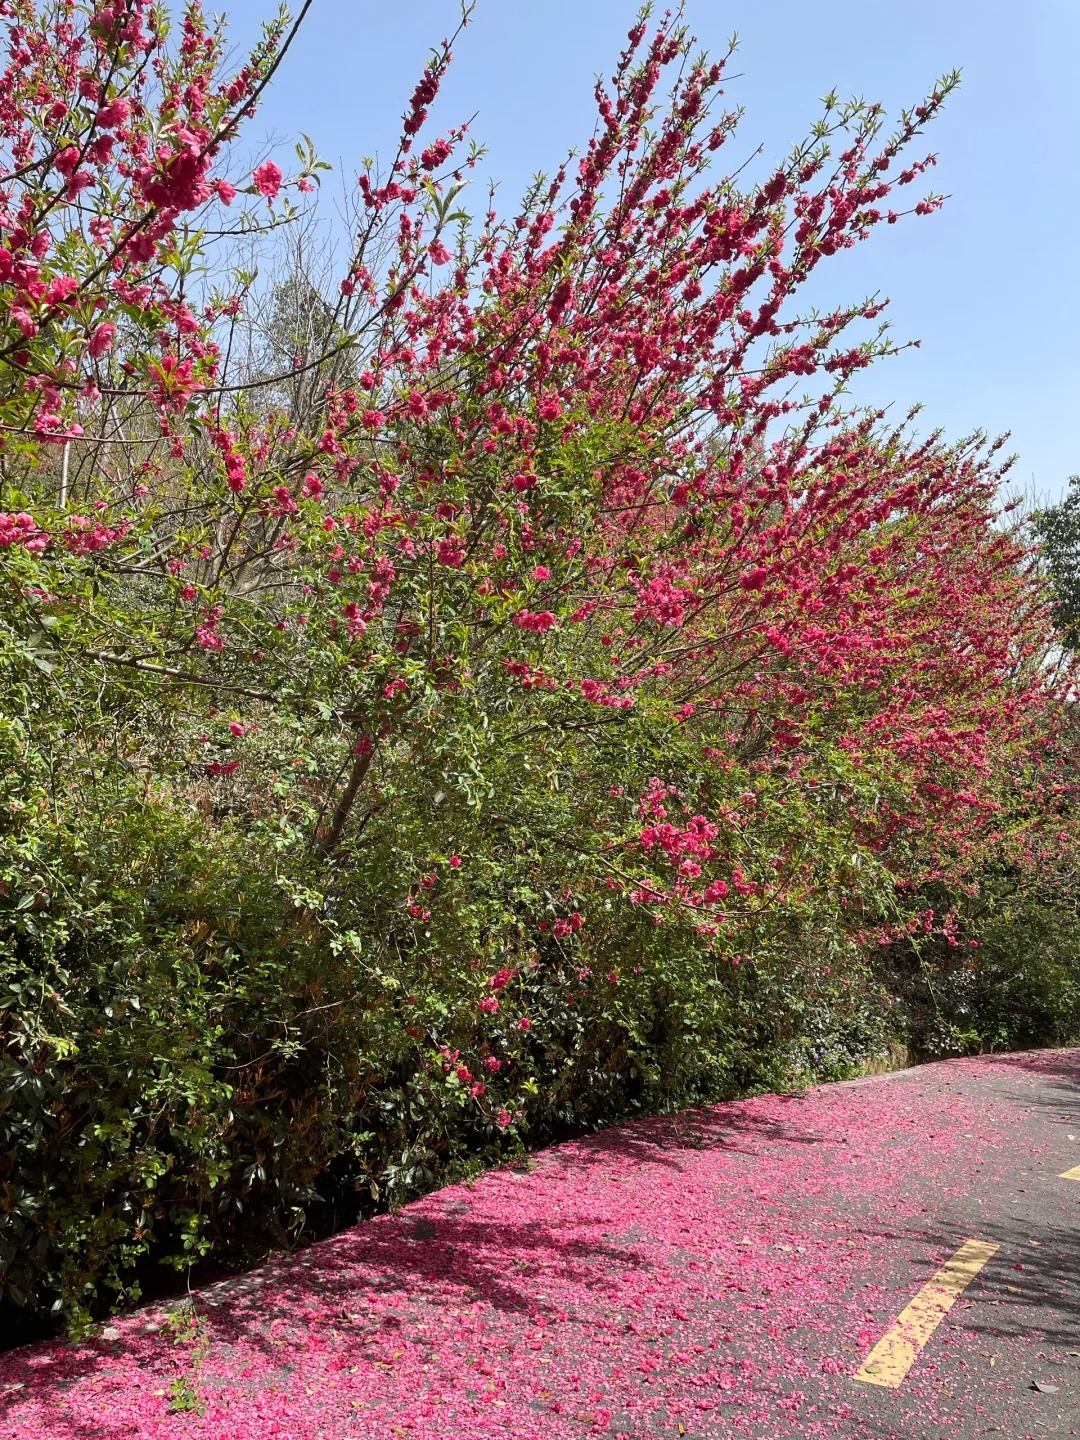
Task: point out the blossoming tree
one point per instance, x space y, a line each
556 600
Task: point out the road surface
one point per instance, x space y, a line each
889 1258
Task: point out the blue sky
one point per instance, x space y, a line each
989 284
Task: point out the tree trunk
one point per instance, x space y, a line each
327 842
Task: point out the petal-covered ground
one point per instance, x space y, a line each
722 1273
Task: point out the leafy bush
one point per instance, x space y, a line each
195 1060
1011 983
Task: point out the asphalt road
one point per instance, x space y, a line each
724 1273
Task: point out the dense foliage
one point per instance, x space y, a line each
536 699
1057 528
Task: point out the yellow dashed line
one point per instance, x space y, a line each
895 1353
1073 1174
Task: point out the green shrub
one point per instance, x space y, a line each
195 1063
1011 980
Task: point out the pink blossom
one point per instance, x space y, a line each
451 553
218 767
21 529
84 536
267 178
115 113
436 154
176 178
24 320
101 341
80 181
537 622
61 289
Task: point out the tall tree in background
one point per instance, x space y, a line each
1057 528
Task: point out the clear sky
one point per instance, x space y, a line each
990 284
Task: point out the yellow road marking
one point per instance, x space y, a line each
895 1353
1073 1174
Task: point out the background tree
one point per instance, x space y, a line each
1057 528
